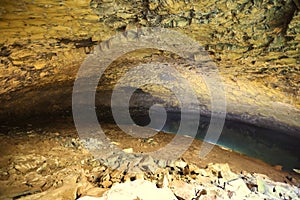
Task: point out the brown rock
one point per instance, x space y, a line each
278 167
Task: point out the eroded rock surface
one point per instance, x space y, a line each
255 45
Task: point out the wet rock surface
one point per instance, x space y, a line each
53 163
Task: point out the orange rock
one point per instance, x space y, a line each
278 167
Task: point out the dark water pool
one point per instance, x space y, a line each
272 146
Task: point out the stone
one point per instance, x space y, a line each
163 180
203 172
261 185
106 176
67 191
278 167
239 187
153 4
116 175
113 161
182 189
139 176
127 177
203 180
182 22
276 190
223 171
148 164
138 189
23 167
162 163
129 150
115 143
106 184
297 170
180 164
124 15
96 192
35 180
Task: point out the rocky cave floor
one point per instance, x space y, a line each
50 162
255 45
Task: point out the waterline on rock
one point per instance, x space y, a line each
271 146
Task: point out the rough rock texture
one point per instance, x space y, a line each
139 189
254 43
52 163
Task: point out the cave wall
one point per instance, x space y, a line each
254 43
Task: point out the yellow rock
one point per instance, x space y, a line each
92 17
39 65
38 36
125 15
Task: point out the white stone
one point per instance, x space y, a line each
239 187
138 189
180 164
129 150
183 189
297 170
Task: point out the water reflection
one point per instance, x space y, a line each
271 146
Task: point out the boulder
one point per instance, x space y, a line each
138 189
